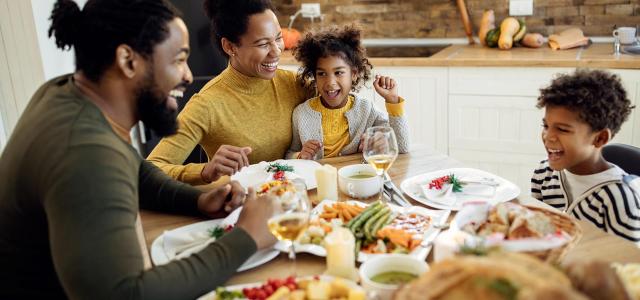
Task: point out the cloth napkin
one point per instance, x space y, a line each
447 196
179 243
570 38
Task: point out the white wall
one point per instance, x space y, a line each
21 70
28 57
55 61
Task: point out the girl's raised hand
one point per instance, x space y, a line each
387 88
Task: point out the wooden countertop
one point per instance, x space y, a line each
595 244
593 56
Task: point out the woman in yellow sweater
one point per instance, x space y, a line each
332 123
243 115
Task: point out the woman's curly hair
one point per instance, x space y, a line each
334 41
597 96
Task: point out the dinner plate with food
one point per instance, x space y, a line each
379 228
309 287
279 170
187 240
451 188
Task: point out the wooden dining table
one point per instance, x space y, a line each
595 244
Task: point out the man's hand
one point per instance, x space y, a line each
227 161
309 149
386 87
229 196
254 216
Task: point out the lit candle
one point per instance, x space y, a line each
340 244
327 178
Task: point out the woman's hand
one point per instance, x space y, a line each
309 149
227 161
387 88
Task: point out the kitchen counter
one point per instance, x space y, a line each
593 56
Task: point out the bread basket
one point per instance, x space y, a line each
563 222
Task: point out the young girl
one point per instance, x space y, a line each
333 123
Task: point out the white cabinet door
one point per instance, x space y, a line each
630 131
425 92
493 122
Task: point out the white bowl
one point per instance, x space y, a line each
388 263
359 187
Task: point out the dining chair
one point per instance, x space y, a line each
627 157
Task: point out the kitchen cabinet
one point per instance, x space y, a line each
486 116
494 124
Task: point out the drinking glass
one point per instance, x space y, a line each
292 216
380 150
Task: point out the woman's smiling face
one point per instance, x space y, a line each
258 52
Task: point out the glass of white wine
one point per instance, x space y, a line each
292 217
380 150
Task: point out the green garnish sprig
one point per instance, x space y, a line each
275 167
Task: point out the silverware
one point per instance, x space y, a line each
396 194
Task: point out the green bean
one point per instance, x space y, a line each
382 222
372 220
360 215
365 215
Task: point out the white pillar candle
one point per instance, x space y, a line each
340 244
327 178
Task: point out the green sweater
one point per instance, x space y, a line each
70 191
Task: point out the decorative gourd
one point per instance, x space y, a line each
532 40
521 32
487 23
508 29
290 37
492 37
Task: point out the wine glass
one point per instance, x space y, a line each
380 150
292 216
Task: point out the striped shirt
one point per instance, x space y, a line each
612 206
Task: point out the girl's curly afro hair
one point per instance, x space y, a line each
334 41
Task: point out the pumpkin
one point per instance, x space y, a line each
290 37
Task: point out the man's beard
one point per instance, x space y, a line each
153 109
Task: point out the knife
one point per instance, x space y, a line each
394 193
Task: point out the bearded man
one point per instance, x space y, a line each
72 184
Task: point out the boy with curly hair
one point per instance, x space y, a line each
583 111
332 123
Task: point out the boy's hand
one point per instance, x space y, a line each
387 88
227 161
309 149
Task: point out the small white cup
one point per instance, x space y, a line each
359 188
627 35
388 263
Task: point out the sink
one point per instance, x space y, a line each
635 49
404 51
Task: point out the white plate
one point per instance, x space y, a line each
159 257
438 217
505 191
239 287
256 174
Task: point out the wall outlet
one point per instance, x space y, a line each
520 7
310 10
